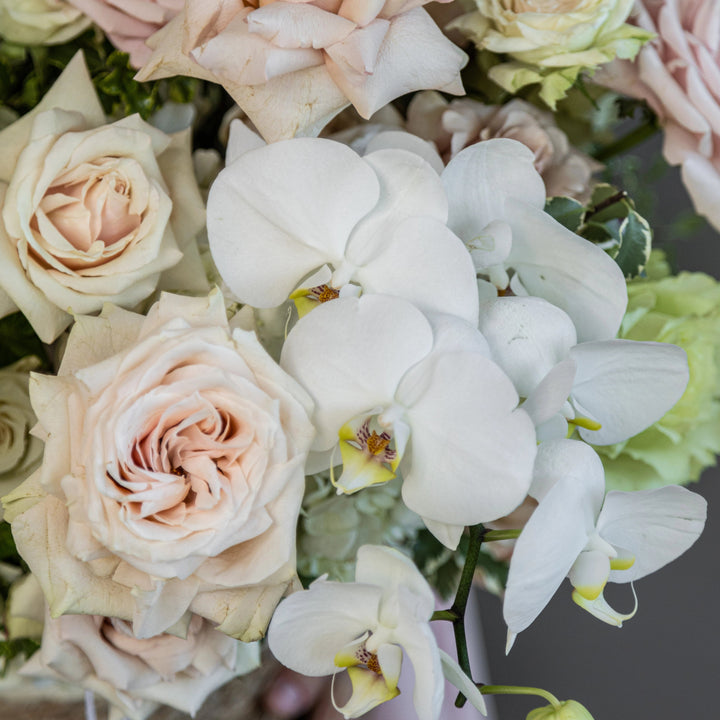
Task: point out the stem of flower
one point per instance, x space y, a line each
606 203
491 535
626 142
477 533
518 690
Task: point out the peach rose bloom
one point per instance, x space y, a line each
678 74
173 472
136 676
292 65
128 23
454 125
92 212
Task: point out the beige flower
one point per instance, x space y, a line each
678 74
135 676
456 124
292 66
129 24
92 213
172 475
20 453
40 22
551 41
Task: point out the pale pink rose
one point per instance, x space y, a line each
136 676
292 65
129 23
173 471
454 125
678 74
91 212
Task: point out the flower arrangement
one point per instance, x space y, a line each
286 373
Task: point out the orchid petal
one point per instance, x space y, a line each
454 673
556 264
545 551
309 628
409 187
600 609
527 336
266 227
350 355
401 140
390 570
425 263
465 430
656 526
550 397
575 461
626 385
369 691
478 179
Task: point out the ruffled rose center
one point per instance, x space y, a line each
91 213
186 461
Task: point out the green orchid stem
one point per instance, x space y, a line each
477 533
633 138
518 690
491 535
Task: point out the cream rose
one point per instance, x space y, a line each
93 213
292 66
129 24
456 124
552 41
173 472
678 74
135 676
20 453
40 22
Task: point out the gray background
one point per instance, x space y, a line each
664 664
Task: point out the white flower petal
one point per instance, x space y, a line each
656 526
480 178
626 385
545 551
310 627
556 264
350 355
471 451
282 210
453 672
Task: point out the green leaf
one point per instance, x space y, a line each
566 211
18 340
12 648
608 203
635 245
8 551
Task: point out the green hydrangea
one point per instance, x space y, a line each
332 527
682 309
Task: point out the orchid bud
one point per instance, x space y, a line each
568 710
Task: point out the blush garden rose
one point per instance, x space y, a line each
92 213
173 472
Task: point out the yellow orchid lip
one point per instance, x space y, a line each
308 298
367 454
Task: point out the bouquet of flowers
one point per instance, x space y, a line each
297 344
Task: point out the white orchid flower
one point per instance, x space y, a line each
367 626
578 532
496 207
402 392
609 389
310 219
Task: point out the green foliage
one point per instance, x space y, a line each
8 551
10 649
27 73
611 221
442 567
17 340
